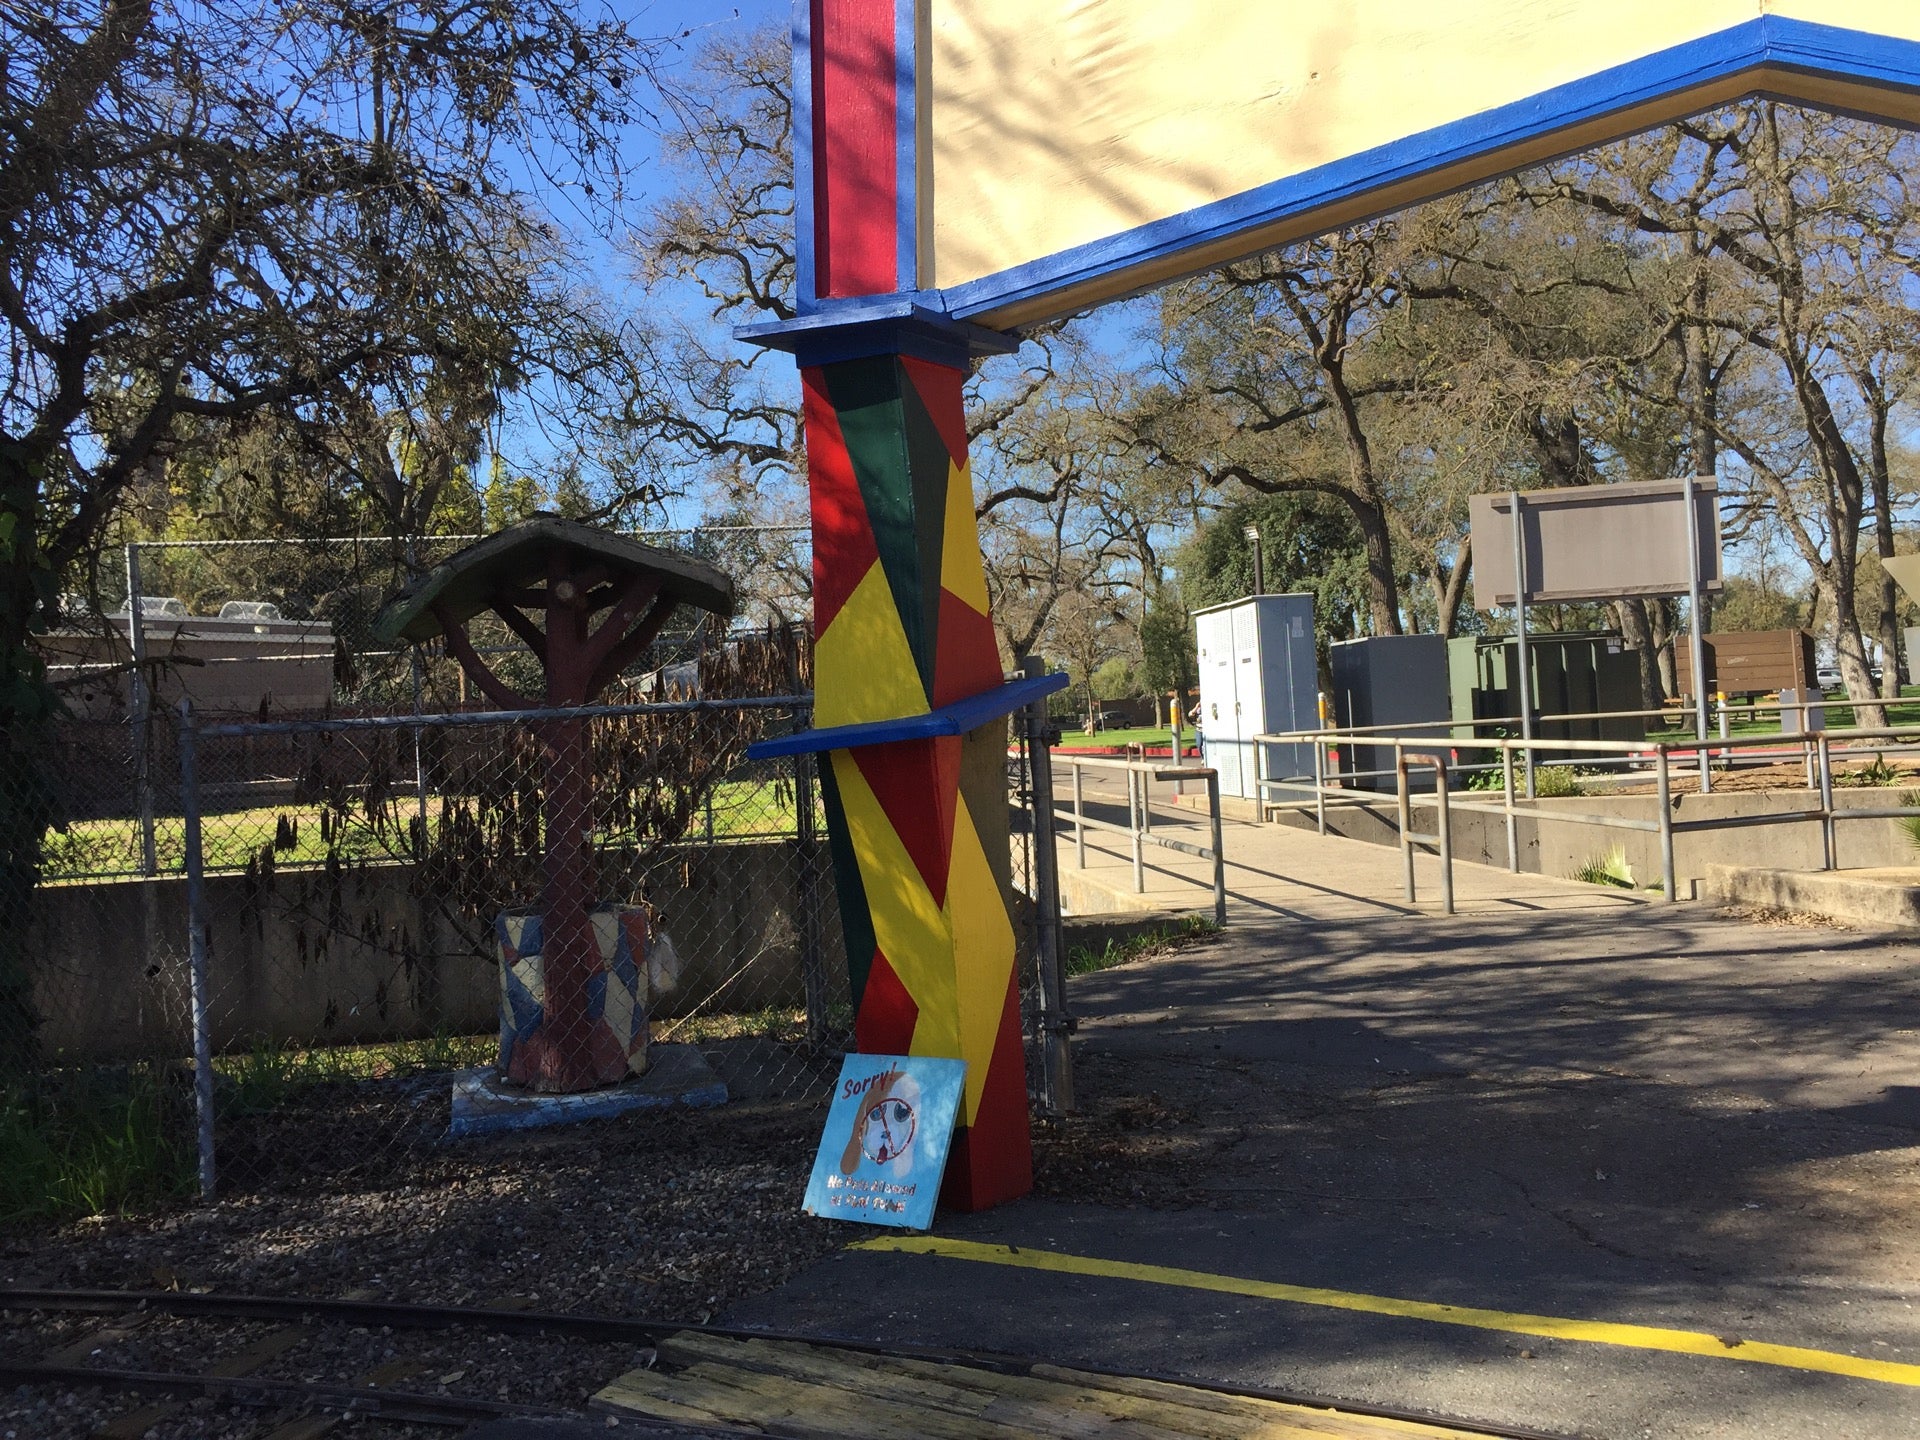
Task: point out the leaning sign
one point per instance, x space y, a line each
1596 542
884 1148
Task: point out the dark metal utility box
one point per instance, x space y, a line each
1589 674
1389 680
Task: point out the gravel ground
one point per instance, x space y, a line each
670 1215
673 1215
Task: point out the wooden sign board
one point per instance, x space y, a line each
884 1148
1594 542
1752 662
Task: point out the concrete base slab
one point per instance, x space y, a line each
1083 894
678 1075
1888 896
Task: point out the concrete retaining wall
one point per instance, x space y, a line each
303 958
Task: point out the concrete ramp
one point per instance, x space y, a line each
1281 872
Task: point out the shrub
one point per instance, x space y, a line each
1554 782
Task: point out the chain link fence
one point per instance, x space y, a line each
285 627
351 876
360 826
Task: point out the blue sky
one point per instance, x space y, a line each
693 22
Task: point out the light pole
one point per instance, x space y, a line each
1252 532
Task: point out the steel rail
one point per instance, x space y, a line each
410 1406
404 1316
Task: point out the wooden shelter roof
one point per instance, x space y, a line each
516 559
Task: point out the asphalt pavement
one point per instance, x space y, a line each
1613 1170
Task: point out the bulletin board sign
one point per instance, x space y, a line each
884 1147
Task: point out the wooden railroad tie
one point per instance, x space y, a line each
792 1389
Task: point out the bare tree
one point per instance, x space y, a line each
1793 324
212 209
1269 378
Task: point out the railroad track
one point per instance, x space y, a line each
269 1368
244 1367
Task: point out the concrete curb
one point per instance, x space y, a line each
1883 897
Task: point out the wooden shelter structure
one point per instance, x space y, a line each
588 603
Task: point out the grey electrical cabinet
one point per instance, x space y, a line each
1389 681
1257 677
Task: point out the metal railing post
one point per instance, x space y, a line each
1512 814
1663 792
1219 853
1831 849
197 948
1320 784
1696 639
1079 827
1406 817
1133 831
1446 836
1523 671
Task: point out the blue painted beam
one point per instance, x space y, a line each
955 719
1772 49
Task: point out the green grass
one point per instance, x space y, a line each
1608 869
95 1142
785 1024
108 1140
1838 715
88 849
1556 782
270 1074
1073 739
1088 959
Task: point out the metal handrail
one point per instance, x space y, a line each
1444 835
1139 827
1819 745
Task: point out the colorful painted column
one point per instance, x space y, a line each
909 698
918 827
911 709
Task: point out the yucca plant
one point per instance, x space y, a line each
1612 869
1910 800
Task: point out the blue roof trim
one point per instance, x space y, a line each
1769 41
806 286
1837 50
886 325
906 143
955 719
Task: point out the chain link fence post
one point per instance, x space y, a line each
813 965
140 697
1056 1023
197 948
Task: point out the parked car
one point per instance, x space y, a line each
1827 677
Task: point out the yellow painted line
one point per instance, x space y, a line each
1552 1327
